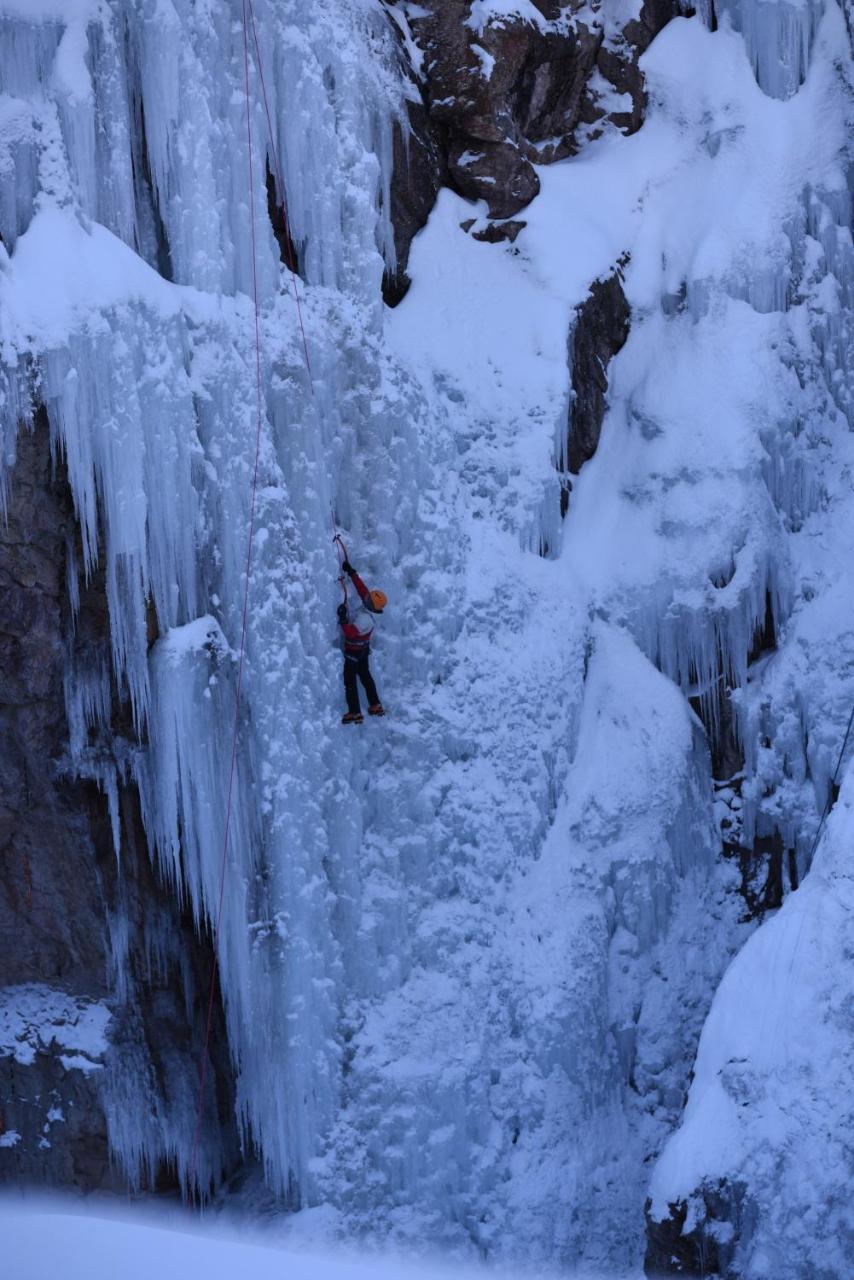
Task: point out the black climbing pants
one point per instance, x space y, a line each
356 665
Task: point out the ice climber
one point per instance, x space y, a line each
357 627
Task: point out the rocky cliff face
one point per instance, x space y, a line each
495 95
78 992
599 333
53 918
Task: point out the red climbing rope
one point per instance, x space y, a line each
280 187
203 1065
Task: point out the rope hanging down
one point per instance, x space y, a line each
203 1065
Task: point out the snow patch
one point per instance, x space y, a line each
499 13
487 61
38 1019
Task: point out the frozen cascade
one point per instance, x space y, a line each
758 1192
143 380
765 1131
794 712
792 305
466 956
338 112
778 35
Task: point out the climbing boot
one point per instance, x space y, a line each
376 710
353 717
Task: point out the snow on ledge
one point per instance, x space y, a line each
499 13
193 637
39 1019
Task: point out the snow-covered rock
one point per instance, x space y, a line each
754 1176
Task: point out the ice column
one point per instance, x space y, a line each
779 37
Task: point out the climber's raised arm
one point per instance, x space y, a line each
375 601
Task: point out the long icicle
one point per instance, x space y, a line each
281 191
243 627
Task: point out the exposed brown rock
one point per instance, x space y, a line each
419 171
504 96
52 909
62 889
617 63
600 330
51 912
708 1248
498 101
497 172
495 232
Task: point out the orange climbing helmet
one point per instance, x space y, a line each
378 600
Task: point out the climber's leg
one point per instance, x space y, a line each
352 663
368 681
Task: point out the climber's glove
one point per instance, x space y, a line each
348 568
342 613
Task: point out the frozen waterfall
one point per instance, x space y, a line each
466 955
125 128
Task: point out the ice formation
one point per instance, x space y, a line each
763 1117
465 958
779 37
149 390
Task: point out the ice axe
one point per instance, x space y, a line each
342 558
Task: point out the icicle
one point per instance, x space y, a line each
18 168
702 639
779 36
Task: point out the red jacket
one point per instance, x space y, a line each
358 627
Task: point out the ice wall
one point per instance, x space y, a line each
377 886
465 955
125 125
764 1139
727 469
746 1172
778 35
